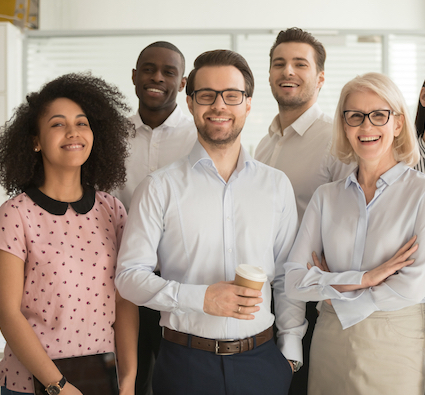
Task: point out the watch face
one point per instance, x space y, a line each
53 389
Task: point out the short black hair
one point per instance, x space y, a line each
167 45
221 57
297 35
105 108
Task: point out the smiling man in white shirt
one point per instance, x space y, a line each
203 215
299 138
163 134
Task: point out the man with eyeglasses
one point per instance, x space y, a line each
204 215
299 138
163 133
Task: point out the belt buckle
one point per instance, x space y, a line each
217 347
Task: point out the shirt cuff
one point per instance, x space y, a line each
191 298
291 347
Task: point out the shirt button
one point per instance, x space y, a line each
229 250
155 145
228 218
152 168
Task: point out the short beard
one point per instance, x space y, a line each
219 143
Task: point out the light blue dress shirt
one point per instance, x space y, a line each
356 237
200 228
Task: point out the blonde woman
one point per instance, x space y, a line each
369 338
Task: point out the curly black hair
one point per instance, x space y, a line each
105 108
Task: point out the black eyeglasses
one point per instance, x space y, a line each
376 118
207 97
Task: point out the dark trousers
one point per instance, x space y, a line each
149 339
181 370
300 380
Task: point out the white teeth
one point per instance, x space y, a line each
372 138
287 84
219 119
155 90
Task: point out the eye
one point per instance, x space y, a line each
206 95
57 124
355 115
301 65
170 73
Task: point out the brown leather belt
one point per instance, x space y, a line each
220 347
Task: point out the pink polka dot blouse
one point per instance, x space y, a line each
70 253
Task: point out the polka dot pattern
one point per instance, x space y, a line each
69 292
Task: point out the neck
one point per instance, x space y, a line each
288 115
369 173
155 118
65 187
225 157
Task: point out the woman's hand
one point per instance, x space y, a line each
392 266
69 389
378 275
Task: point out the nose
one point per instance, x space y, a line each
288 70
219 102
157 76
71 131
366 124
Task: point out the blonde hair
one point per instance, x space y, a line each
405 146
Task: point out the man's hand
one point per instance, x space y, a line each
224 299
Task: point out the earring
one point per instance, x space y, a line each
36 149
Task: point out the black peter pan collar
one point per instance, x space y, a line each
55 207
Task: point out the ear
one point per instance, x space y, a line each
320 79
182 84
133 76
36 143
422 96
189 102
398 124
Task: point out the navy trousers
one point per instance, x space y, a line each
181 370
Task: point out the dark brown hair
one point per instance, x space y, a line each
104 106
294 34
221 57
420 118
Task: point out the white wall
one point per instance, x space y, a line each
232 14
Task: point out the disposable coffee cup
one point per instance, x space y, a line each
250 276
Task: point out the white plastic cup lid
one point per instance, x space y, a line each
252 273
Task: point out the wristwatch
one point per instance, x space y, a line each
296 364
56 388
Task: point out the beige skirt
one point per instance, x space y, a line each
382 355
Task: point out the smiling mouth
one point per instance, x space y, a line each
369 139
215 119
72 147
155 90
288 85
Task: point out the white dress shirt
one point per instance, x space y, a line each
202 228
152 149
356 238
302 152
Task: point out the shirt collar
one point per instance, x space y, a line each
389 177
199 154
300 125
172 121
55 207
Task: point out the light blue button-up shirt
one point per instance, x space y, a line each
201 228
356 237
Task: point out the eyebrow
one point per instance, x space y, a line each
63 116
299 59
168 66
